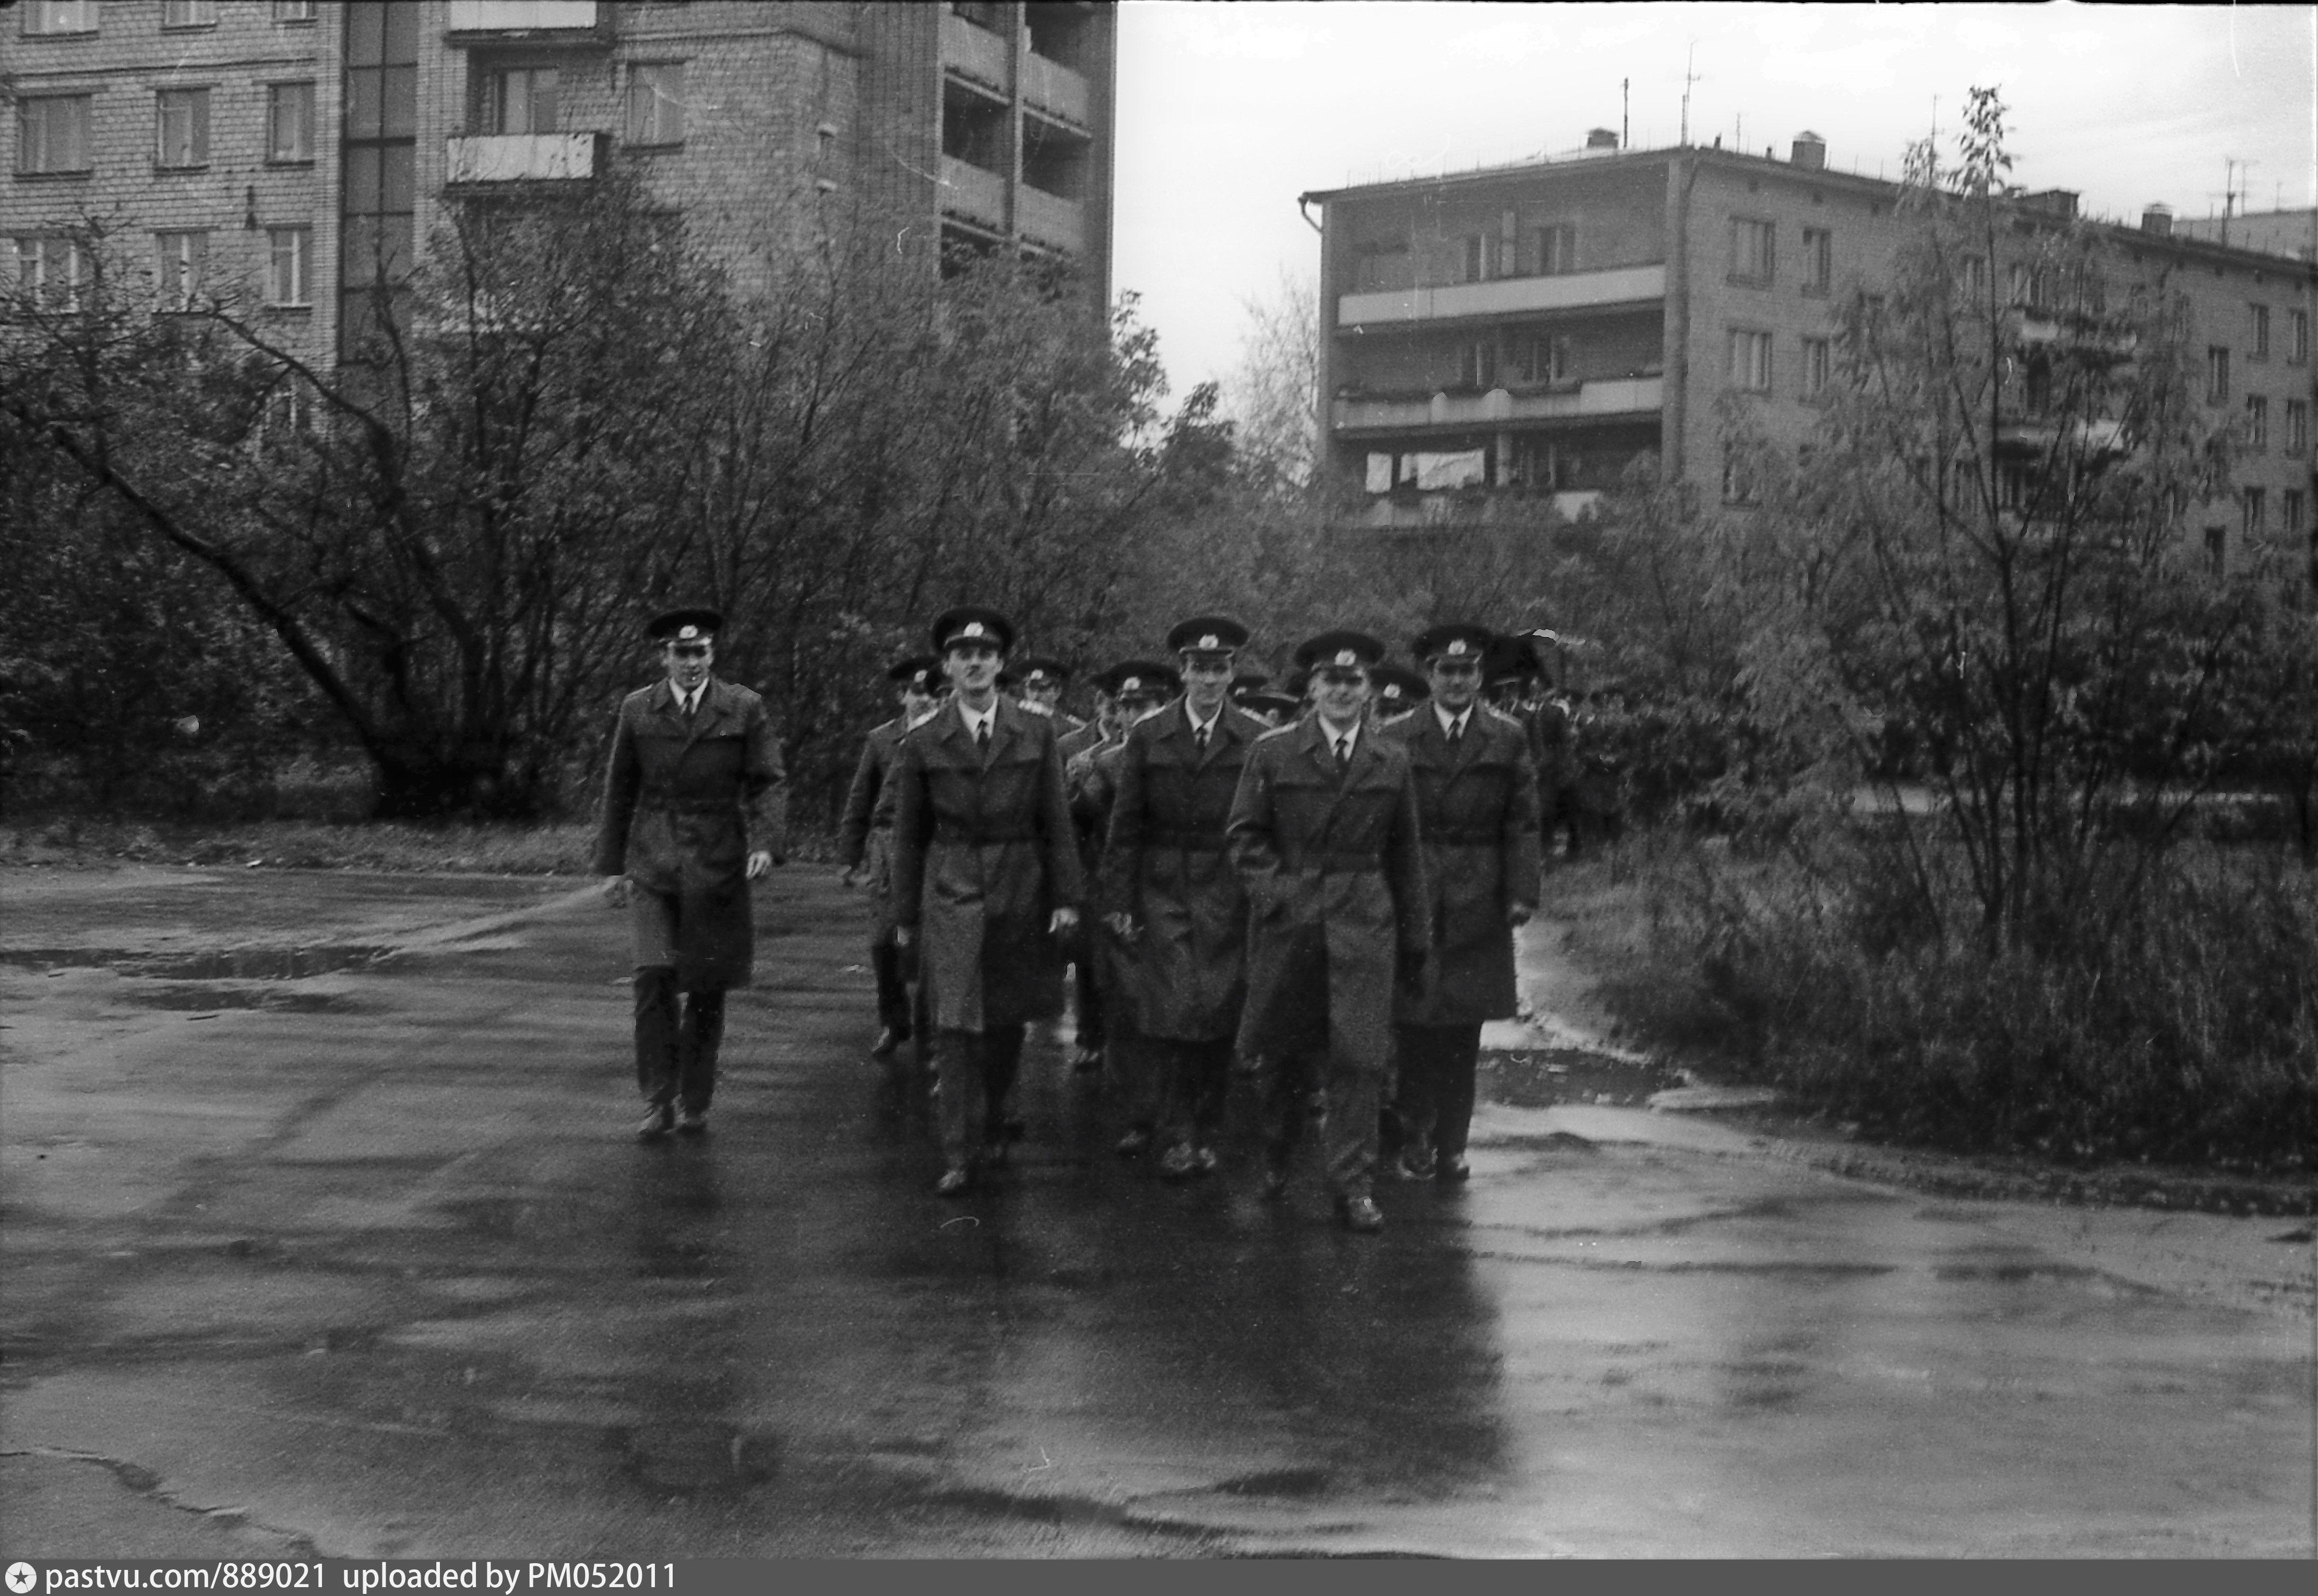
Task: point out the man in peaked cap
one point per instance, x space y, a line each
1477 806
1173 901
1399 690
1137 689
1040 682
694 810
1324 832
985 877
865 836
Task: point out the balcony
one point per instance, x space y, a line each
525 158
1499 409
972 194
1054 88
975 52
1575 291
1463 507
576 22
1050 219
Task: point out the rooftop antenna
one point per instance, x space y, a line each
1688 78
1625 114
2232 190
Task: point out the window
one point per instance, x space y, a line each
293 11
519 100
2037 401
290 410
2016 487
2256 518
1477 364
290 122
1474 263
1750 361
656 104
1972 278
51 271
2217 375
59 16
2297 426
180 262
1817 357
1818 259
1751 254
2217 539
289 266
1545 358
1556 250
1737 479
52 133
2260 332
2291 509
182 118
2297 336
2257 424
1381 263
189 14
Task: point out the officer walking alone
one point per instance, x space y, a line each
694 810
865 839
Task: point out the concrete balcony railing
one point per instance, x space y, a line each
1457 508
579 19
1472 412
1050 219
973 51
1051 87
1620 285
525 158
972 195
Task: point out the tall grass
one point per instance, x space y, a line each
2171 1016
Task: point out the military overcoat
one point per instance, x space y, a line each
983 856
1334 873
864 835
1165 863
685 803
1477 806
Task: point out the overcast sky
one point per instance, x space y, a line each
1228 112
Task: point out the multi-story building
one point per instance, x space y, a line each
304 149
1531 331
2272 232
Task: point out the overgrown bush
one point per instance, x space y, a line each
2173 1017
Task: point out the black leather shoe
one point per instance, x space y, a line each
955 1181
691 1122
1415 1164
658 1121
1360 1215
1451 1169
1133 1144
1179 1163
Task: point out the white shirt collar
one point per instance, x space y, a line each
1450 723
686 701
976 722
1348 738
1197 725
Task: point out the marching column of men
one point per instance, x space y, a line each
1331 897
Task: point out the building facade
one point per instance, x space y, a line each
1531 331
302 151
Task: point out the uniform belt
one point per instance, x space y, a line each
1206 842
963 837
690 806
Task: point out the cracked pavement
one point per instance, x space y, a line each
317 1248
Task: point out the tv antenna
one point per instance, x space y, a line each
1688 77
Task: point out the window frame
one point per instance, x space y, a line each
33 255
2261 350
302 259
197 99
274 102
295 14
39 13
2293 511
1759 343
179 273
1766 232
1816 367
26 144
1817 261
2254 512
181 16
2257 423
2297 336
491 97
640 75
2297 426
2217 373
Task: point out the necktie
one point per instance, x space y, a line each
1456 730
1343 754
982 738
1201 739
691 703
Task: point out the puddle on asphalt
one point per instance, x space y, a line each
1546 1077
230 963
199 997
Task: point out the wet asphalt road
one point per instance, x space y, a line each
363 1262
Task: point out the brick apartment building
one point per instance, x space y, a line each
304 149
1529 330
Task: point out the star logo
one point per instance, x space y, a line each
21 1577
1211 642
1346 657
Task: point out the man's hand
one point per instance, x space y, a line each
904 935
1122 926
1518 916
849 875
760 862
616 890
1064 919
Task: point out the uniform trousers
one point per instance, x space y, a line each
1194 1079
1348 1141
975 1071
893 988
1136 1065
1435 1100
676 1040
